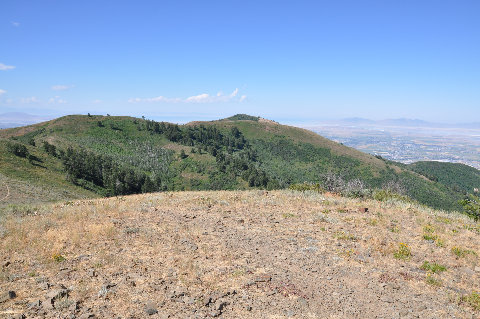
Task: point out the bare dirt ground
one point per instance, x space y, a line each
251 254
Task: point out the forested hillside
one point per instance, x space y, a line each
458 176
108 156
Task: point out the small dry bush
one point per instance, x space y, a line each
462 252
473 300
403 252
433 281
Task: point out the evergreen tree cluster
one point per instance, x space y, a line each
17 149
50 148
471 206
101 171
233 154
234 158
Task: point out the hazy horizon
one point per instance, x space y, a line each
288 62
185 118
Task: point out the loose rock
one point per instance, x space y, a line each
7 296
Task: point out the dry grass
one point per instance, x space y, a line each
188 236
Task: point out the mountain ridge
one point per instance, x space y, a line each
232 153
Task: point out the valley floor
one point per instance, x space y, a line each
250 254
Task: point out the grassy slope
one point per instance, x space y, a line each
120 138
27 183
291 154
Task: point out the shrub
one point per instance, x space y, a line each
345 236
432 281
356 189
384 195
336 184
302 187
17 149
444 220
473 300
430 237
394 229
471 206
461 252
403 252
440 242
428 233
58 258
433 267
394 187
332 182
50 148
429 229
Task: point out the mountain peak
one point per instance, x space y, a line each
242 117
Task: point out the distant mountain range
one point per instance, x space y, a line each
403 122
15 119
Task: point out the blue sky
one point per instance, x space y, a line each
284 60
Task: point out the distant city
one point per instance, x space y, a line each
407 141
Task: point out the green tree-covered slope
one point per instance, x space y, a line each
457 176
39 178
121 155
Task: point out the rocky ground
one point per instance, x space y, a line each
251 254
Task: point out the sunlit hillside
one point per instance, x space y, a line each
238 254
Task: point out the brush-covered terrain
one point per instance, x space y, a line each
238 254
95 156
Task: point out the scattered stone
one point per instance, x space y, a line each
7 296
207 300
386 299
19 316
215 313
467 271
35 305
150 308
361 258
57 294
53 297
288 276
64 273
271 292
44 286
220 305
263 278
364 210
82 257
105 289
